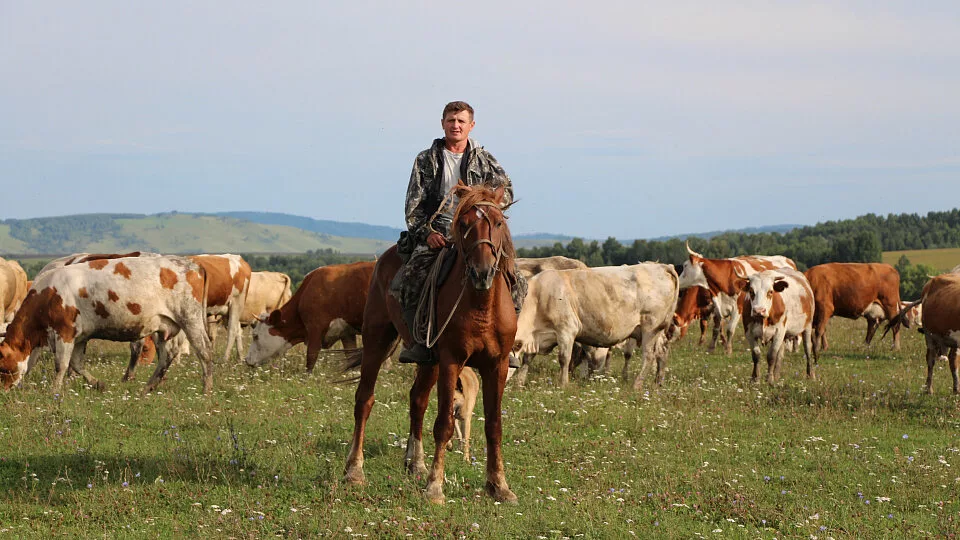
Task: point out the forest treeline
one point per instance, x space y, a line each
863 239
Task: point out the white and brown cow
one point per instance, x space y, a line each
327 307
13 288
854 290
721 277
599 307
531 266
778 306
268 291
941 324
121 299
228 280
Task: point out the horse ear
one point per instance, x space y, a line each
461 189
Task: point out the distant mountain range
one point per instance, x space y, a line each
239 232
749 230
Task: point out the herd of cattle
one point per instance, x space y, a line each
165 305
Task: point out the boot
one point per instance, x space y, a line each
418 354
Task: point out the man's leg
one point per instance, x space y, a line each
407 287
518 292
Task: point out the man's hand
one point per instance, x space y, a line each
436 240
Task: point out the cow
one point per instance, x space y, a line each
941 323
695 303
600 307
228 280
464 401
122 299
854 290
778 305
268 291
144 351
13 288
530 266
327 307
720 277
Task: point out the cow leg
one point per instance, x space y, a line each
449 370
872 325
731 329
564 351
717 328
952 358
233 330
807 353
136 350
163 363
466 414
77 364
628 350
524 370
377 343
755 352
424 382
648 344
821 316
662 348
62 351
203 348
891 310
775 356
493 378
32 361
933 352
704 324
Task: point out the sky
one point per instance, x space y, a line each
630 119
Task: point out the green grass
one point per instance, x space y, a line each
706 452
941 259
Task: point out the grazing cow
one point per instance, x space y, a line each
13 288
531 266
720 277
854 290
599 307
327 307
121 299
268 291
778 305
228 280
941 323
695 303
912 314
144 351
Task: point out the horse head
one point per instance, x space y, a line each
481 234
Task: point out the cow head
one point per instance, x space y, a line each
692 274
760 289
13 364
268 343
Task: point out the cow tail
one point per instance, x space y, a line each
896 322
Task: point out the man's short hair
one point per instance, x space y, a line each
456 106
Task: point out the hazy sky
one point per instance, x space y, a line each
631 119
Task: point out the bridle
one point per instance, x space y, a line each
498 251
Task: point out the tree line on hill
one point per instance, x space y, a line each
863 239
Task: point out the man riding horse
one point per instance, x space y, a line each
429 211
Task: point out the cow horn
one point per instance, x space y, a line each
692 252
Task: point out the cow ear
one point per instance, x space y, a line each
274 318
779 285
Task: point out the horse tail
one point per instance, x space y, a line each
353 358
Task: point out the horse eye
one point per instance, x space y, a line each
499 224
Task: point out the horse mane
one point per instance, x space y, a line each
469 197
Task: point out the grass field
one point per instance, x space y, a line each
941 259
859 453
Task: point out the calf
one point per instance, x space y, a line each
327 307
121 299
778 306
599 307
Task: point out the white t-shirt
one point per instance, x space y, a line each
451 175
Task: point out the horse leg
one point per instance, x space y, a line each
425 379
376 346
493 377
443 427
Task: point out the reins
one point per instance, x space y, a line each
426 316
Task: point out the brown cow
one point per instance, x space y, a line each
327 307
941 324
695 303
721 277
13 288
848 290
228 280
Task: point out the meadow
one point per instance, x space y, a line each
941 259
858 453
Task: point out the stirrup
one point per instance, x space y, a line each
418 354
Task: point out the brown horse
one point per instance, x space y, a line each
480 334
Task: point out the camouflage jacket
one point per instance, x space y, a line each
424 195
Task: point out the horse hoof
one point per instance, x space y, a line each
417 469
502 495
354 477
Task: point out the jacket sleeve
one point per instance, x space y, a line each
416 217
496 176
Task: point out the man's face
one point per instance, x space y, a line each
457 126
